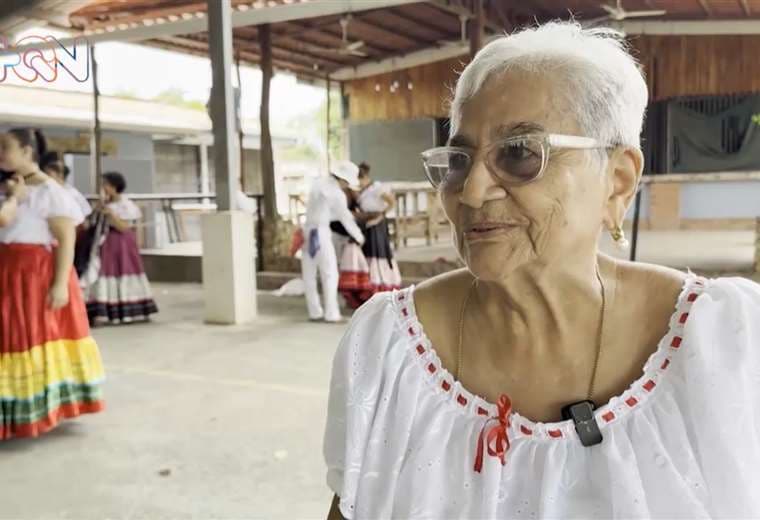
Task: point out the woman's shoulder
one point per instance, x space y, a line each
441 293
656 285
51 199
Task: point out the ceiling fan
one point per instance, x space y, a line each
347 48
617 13
350 48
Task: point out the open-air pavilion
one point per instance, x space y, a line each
207 421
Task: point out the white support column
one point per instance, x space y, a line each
229 274
229 271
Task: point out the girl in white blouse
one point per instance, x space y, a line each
546 380
120 291
50 367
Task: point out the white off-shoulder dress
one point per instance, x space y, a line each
682 442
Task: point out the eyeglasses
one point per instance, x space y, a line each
514 161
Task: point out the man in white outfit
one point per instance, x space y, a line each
326 202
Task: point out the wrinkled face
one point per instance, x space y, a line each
13 156
500 229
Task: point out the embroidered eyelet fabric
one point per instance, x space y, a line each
683 441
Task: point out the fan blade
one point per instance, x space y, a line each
318 49
595 21
354 45
643 14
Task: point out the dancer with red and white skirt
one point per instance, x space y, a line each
50 366
116 287
372 268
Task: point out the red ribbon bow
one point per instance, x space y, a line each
496 439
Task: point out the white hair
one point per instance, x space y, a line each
603 84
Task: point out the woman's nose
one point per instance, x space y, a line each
480 186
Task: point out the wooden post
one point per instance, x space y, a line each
222 104
476 28
96 165
241 135
267 158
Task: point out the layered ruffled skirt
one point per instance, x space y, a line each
50 366
367 270
121 293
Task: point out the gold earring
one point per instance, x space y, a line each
618 235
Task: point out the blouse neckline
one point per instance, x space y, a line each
441 381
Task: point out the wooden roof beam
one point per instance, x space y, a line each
336 36
293 55
335 41
393 31
429 25
249 34
185 12
705 7
458 8
401 61
732 27
200 48
256 16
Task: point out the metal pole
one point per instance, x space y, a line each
96 166
636 216
222 105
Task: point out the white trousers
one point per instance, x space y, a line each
326 263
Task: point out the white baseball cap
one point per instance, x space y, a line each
347 171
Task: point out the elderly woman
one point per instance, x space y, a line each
546 380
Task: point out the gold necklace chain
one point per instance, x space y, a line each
600 334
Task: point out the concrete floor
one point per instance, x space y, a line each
234 415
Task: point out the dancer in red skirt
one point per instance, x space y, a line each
371 268
50 367
118 291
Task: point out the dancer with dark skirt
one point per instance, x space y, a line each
115 285
374 269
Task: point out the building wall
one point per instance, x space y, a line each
699 65
674 66
729 200
429 96
177 168
129 153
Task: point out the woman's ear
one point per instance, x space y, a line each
624 172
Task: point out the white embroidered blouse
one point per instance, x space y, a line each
682 442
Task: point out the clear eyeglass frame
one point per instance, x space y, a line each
436 160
